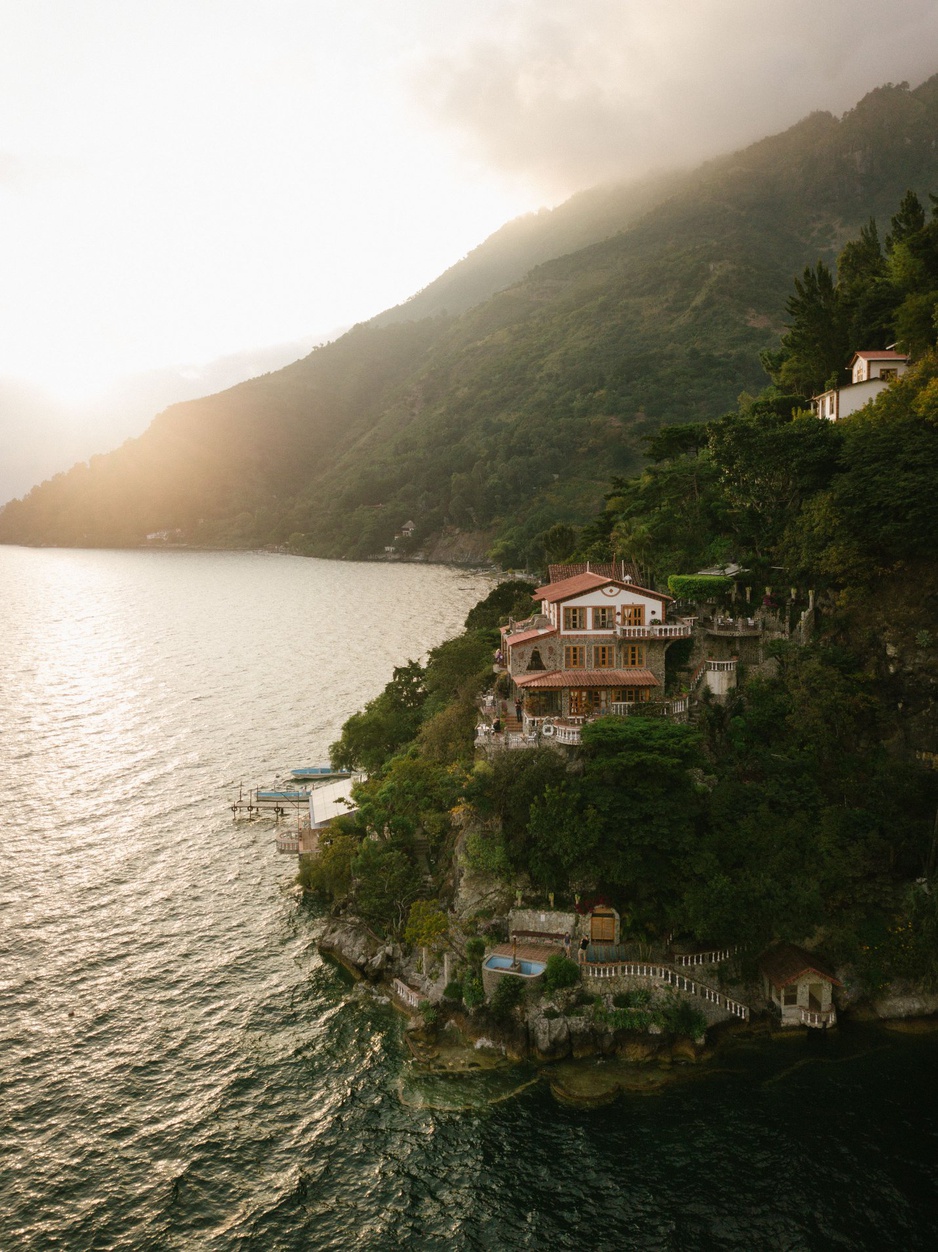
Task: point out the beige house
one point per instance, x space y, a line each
799 985
870 373
596 644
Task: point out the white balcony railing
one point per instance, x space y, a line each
675 630
650 708
734 626
725 667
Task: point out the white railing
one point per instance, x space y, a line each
734 626
674 630
704 958
649 708
665 974
813 1017
621 709
288 843
406 994
567 734
716 667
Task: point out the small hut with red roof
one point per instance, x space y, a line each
799 986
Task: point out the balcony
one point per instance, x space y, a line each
651 708
670 630
733 627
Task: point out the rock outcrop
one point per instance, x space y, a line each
359 949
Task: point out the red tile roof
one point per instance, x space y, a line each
527 635
884 354
579 583
787 963
588 678
608 569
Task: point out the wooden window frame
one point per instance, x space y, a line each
604 656
574 617
604 617
633 656
574 656
633 615
791 990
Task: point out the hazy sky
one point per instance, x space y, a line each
181 179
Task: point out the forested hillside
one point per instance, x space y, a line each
512 415
801 805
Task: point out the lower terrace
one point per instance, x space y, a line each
534 732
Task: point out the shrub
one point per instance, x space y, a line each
473 992
486 853
698 586
561 972
429 1012
681 1018
632 999
508 993
453 990
629 1019
475 948
426 924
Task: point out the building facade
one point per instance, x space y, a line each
870 373
596 645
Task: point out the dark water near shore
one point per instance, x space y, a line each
181 1070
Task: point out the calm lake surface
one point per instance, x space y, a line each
179 1068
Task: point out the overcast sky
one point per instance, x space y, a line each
180 179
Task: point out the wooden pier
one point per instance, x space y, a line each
258 803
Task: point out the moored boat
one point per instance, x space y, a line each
315 772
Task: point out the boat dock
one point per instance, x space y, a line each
270 803
313 810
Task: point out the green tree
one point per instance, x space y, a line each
329 871
427 924
386 881
816 345
386 724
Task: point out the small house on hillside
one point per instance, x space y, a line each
799 985
870 373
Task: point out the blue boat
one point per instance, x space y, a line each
317 772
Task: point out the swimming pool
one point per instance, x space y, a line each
526 969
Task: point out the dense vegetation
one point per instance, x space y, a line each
798 809
513 415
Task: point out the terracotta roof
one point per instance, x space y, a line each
588 582
608 569
588 678
884 354
787 963
527 635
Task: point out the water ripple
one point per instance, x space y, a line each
180 1070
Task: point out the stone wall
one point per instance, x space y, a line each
542 922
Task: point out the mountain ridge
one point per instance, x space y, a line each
512 414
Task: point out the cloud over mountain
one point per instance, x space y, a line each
571 92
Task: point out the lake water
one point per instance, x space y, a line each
181 1070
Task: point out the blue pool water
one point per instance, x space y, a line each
529 968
